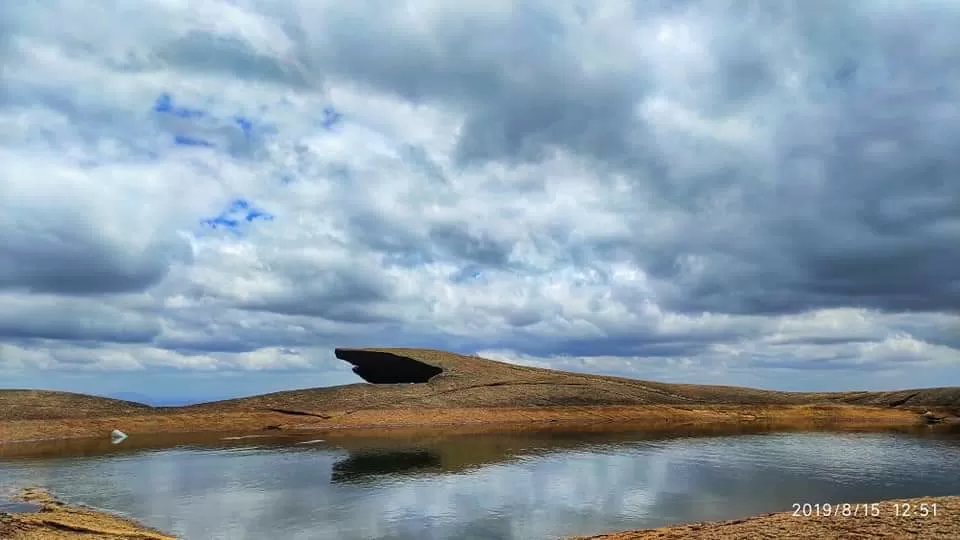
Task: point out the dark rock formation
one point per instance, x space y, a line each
385 368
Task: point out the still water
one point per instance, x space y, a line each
490 487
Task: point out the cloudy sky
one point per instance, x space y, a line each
202 198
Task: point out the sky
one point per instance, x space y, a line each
201 199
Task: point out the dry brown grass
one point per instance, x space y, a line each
784 525
46 404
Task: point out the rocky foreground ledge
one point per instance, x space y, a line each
921 518
55 520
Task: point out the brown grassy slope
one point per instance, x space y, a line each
45 404
466 382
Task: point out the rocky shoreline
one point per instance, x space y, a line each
591 418
55 520
919 518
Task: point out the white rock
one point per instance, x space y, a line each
117 436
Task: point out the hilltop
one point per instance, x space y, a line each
425 378
46 404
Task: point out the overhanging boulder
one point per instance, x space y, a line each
385 368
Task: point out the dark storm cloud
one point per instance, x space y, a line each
476 248
205 53
833 363
74 261
234 333
822 340
853 200
516 111
387 235
627 347
341 294
447 241
336 308
856 203
422 161
94 323
636 345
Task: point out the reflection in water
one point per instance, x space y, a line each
523 486
103 446
18 506
367 466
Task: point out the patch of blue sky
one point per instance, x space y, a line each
245 125
239 135
331 117
238 204
185 140
196 127
235 215
254 215
221 222
165 104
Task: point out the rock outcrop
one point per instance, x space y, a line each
388 368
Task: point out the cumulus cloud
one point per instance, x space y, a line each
695 190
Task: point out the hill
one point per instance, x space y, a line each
45 404
431 379
422 388
424 378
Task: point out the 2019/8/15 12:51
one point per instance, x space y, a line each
898 509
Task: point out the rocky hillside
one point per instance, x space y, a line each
431 379
404 378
